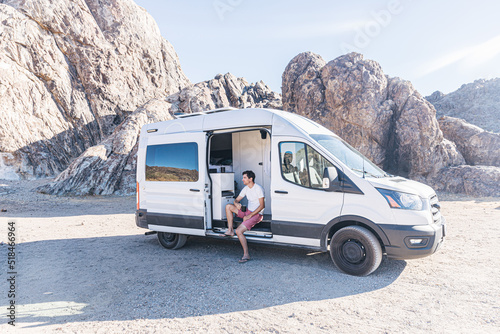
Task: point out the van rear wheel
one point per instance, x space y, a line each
355 251
172 240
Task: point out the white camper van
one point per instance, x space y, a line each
320 193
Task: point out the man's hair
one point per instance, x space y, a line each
249 174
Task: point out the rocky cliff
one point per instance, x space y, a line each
389 122
109 167
70 72
78 79
385 118
478 103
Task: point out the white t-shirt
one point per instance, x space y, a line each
253 194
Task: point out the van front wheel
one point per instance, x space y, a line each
172 240
355 251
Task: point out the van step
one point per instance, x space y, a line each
220 232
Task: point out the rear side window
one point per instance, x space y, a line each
172 162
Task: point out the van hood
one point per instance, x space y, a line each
398 183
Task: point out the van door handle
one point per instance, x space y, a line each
195 190
281 192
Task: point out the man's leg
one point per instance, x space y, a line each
239 232
230 209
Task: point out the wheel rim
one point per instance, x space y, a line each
353 251
169 237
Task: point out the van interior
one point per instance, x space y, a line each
230 154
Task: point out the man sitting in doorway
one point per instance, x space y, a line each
252 216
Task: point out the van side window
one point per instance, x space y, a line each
172 162
317 165
301 164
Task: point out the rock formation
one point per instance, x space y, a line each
70 72
79 78
224 91
109 167
478 103
434 97
479 147
470 180
385 118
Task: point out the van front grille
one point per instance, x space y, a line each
435 209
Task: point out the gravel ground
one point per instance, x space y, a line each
83 266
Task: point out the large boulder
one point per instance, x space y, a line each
224 91
478 103
109 167
470 180
70 72
302 87
479 147
385 118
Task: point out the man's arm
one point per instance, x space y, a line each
237 202
256 211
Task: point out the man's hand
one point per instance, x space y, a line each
237 205
246 218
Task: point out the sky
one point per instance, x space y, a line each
185 154
437 45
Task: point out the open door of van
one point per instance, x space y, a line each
174 183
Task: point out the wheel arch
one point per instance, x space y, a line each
349 220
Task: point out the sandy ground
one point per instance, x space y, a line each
83 266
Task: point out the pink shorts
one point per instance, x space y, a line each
252 221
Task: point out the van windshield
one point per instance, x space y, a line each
349 156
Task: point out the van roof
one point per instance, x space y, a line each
282 122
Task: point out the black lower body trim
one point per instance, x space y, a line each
140 218
299 230
164 219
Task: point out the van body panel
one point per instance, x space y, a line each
371 205
167 202
289 124
335 224
194 124
412 217
236 118
404 185
282 127
295 203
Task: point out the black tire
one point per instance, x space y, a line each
172 240
355 251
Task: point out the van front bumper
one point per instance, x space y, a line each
413 242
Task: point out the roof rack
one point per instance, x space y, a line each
184 115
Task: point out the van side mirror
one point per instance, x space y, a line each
331 180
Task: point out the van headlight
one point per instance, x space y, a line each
399 200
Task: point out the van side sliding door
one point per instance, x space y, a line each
175 174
